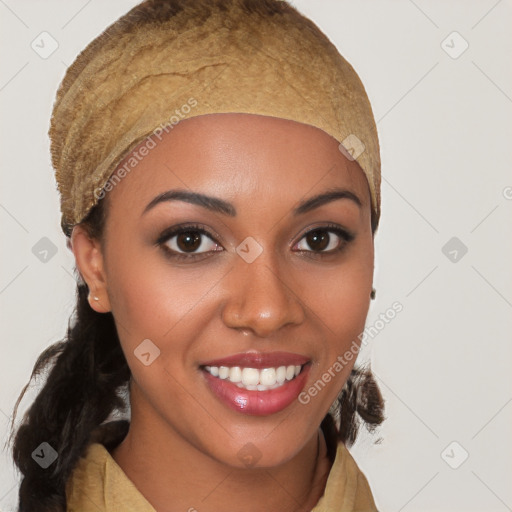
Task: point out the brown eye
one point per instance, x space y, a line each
318 240
324 240
189 241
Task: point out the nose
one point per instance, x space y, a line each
259 299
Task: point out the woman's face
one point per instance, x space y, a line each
262 276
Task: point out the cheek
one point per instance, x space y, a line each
340 299
339 302
140 291
151 300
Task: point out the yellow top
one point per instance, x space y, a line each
98 484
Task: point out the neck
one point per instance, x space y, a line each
174 475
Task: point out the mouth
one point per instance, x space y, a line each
257 383
254 379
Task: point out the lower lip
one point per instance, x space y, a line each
257 403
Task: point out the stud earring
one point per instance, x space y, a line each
372 295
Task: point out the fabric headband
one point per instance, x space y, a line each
168 60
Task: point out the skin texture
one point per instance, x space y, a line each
182 447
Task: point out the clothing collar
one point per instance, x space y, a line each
98 480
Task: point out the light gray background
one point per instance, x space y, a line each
445 125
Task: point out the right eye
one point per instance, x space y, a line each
188 242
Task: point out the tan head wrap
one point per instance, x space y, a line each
168 60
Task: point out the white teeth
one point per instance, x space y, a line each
268 376
259 387
254 379
235 374
250 376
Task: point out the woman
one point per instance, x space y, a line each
219 172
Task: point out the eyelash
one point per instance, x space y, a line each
345 237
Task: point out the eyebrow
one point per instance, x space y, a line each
324 198
214 204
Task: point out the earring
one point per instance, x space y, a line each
94 297
372 295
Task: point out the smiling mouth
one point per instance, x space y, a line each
254 379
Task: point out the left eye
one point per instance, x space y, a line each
323 240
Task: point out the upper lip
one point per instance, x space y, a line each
259 360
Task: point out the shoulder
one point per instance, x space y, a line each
347 488
87 480
98 483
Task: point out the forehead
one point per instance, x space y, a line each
244 158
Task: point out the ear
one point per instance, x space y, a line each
90 263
